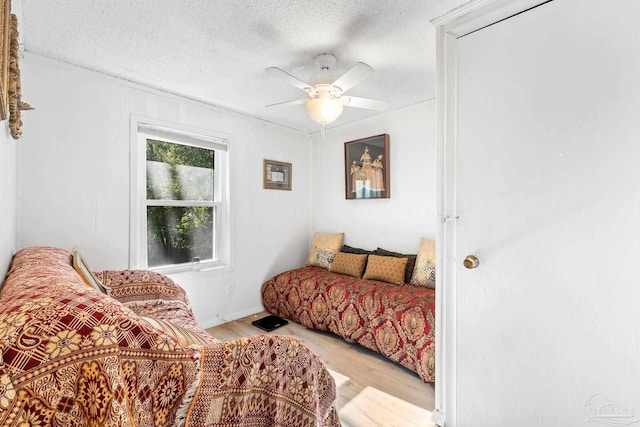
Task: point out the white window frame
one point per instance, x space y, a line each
143 128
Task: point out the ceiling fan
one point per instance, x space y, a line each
327 100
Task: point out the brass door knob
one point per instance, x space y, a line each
471 261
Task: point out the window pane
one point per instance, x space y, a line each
179 172
175 235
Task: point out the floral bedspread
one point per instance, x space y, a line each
72 356
395 321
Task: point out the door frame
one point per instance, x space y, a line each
449 28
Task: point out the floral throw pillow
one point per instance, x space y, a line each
324 248
424 272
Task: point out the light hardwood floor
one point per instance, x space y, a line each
372 391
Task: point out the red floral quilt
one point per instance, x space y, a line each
395 321
72 356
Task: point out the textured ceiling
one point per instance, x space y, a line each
216 51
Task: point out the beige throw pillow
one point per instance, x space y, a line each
324 248
411 261
386 268
424 272
349 264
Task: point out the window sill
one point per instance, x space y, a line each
191 268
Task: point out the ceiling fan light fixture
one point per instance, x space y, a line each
326 101
324 108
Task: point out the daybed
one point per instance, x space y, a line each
73 356
395 320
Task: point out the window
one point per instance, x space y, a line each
181 217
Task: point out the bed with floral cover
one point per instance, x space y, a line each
396 321
72 356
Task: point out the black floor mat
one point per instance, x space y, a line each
269 323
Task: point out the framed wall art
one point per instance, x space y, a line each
276 175
5 32
366 168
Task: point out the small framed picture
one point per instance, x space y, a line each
366 168
276 175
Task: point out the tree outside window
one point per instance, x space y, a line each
181 207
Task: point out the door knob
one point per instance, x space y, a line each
471 261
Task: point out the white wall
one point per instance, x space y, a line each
73 181
396 223
8 226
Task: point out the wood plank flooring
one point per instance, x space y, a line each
372 391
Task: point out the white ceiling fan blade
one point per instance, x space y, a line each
353 76
288 103
369 104
275 71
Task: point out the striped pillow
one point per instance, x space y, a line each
184 336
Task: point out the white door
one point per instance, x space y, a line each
547 189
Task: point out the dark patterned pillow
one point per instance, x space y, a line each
349 264
411 261
386 268
351 250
